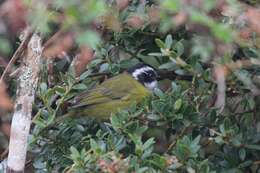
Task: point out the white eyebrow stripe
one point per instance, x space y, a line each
137 72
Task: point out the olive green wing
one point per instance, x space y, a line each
115 88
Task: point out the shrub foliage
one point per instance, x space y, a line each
205 116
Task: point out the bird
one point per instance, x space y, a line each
116 93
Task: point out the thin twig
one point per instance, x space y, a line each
4 154
244 112
18 52
174 142
257 162
172 75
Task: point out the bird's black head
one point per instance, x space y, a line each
145 74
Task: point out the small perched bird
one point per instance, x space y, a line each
116 93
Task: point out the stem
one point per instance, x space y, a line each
62 101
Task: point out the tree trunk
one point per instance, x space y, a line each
26 86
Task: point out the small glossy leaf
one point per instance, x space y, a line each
168 42
242 154
85 74
158 92
160 43
80 86
252 146
177 104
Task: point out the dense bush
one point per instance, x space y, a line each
204 118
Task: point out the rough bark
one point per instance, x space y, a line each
26 86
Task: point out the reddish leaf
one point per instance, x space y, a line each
154 14
253 17
180 18
122 4
5 102
85 56
15 11
58 46
135 21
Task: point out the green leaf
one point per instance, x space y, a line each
38 163
173 54
202 18
151 60
242 154
245 164
142 170
116 123
175 87
74 153
156 54
168 41
85 74
154 117
196 140
148 143
5 46
179 48
59 90
194 146
160 44
43 87
80 86
222 129
159 92
159 161
236 142
219 140
89 38
49 94
222 32
252 146
208 5
177 104
168 66
172 5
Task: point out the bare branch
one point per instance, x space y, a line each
18 52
